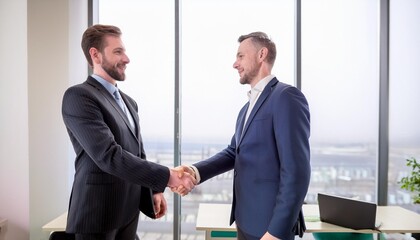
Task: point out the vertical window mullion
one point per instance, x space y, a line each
177 117
383 135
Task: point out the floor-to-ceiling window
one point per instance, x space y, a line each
211 93
404 74
340 78
148 35
210 89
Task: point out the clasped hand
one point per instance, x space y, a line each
182 180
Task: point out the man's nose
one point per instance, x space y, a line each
126 59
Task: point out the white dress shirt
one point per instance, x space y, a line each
253 95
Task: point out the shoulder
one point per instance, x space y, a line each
284 90
288 97
89 87
83 95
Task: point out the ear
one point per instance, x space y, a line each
262 54
95 55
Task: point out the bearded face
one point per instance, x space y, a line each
116 71
111 61
249 73
247 62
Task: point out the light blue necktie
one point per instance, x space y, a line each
117 96
120 102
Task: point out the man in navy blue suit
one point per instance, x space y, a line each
269 151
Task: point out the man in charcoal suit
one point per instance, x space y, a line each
113 180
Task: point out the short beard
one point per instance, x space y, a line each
112 70
247 78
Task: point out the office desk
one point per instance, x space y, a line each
394 219
57 224
214 220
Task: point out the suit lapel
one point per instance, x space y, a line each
114 104
264 95
240 125
133 113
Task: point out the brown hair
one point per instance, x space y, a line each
94 37
261 39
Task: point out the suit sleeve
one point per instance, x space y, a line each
217 164
292 130
93 130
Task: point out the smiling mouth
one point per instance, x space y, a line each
120 66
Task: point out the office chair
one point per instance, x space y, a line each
59 235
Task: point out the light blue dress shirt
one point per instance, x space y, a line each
111 89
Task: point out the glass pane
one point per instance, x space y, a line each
340 79
211 93
148 35
404 97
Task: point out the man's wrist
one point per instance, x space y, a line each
196 174
173 175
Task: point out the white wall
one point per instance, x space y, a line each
14 160
40 57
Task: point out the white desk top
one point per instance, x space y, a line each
58 224
394 219
216 217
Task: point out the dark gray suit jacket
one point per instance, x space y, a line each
111 166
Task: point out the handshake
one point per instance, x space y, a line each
182 180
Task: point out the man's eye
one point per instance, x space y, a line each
118 51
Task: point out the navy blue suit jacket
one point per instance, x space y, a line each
270 158
111 167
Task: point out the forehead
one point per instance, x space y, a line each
113 42
246 46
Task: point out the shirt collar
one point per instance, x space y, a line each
262 83
107 85
259 87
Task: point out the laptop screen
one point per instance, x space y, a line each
347 212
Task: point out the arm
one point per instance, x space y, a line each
218 164
97 133
292 131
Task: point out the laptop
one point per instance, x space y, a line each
347 212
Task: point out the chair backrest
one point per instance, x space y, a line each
60 235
